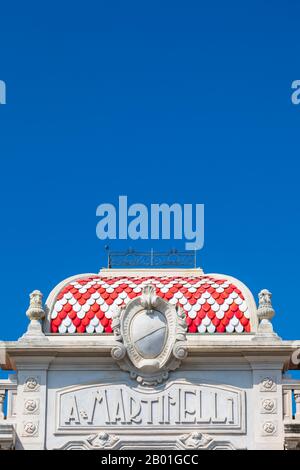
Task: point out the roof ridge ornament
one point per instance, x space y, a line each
150 337
265 309
149 297
36 314
265 313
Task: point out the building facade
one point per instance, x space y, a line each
150 359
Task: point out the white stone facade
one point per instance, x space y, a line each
149 385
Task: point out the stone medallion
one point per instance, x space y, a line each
150 337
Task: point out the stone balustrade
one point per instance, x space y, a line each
291 400
8 389
291 413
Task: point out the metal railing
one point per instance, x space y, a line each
152 259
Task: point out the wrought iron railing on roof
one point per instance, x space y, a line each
154 259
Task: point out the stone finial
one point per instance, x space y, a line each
265 312
35 313
35 310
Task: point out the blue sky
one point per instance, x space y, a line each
163 101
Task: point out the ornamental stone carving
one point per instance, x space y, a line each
35 310
36 314
31 406
99 441
103 440
268 384
265 310
268 405
265 313
150 338
31 384
269 428
194 440
30 429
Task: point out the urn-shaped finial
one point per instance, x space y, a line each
265 310
35 313
35 310
265 313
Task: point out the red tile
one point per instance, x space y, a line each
216 321
56 321
211 314
72 314
221 328
100 314
67 308
62 314
201 313
193 328
81 329
244 321
76 321
85 321
234 307
225 321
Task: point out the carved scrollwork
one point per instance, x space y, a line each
30 428
99 441
268 405
152 380
31 406
150 337
118 352
269 427
268 384
194 440
31 384
148 297
103 440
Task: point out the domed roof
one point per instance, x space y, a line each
212 303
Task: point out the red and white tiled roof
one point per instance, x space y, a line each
211 304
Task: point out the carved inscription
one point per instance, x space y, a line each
178 404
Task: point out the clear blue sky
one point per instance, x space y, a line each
180 101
